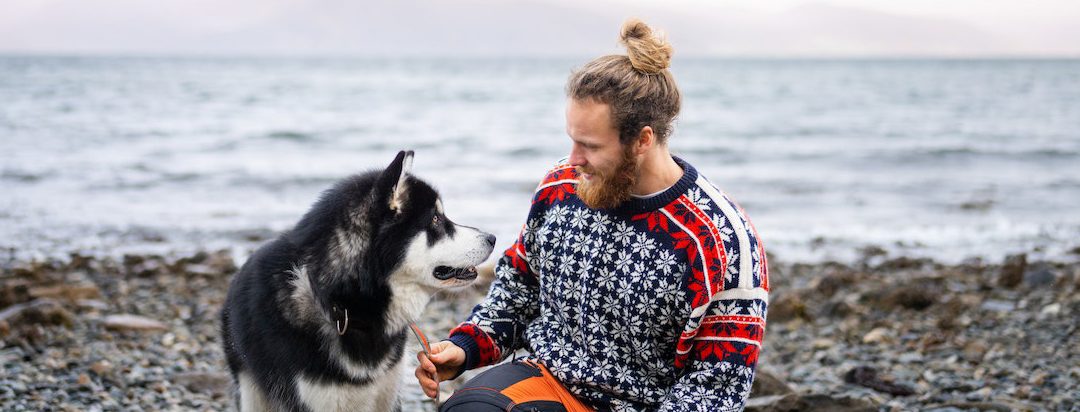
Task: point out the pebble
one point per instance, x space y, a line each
877 335
1051 309
132 322
994 305
974 351
101 367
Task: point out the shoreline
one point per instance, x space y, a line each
884 333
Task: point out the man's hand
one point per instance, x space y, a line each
446 358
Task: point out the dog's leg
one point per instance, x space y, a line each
251 396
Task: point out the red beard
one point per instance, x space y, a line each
609 188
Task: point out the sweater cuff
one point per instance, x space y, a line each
472 351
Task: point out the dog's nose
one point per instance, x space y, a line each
490 239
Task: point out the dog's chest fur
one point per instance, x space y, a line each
378 395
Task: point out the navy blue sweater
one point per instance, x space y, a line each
657 304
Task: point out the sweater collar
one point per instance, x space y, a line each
635 205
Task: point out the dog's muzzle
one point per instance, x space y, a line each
446 273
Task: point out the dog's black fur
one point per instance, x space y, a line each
264 337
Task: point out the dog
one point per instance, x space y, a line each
316 320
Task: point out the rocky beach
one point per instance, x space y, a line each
140 332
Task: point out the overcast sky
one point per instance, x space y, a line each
755 28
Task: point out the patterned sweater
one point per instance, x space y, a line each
657 304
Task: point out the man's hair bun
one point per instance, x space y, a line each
649 53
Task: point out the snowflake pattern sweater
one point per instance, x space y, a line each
657 304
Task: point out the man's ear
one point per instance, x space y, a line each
391 186
645 141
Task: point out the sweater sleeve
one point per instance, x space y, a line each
718 349
722 357
497 325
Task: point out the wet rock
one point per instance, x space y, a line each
37 312
132 322
904 263
77 260
825 403
222 262
14 291
911 297
1039 275
837 308
774 403
66 291
146 268
214 384
767 384
832 283
990 406
1012 271
787 307
869 377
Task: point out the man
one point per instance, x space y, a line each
635 284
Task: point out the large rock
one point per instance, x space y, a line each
38 311
917 297
787 307
1040 275
834 282
767 384
869 377
774 403
1012 271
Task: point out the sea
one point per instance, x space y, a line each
833 160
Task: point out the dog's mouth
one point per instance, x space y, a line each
447 273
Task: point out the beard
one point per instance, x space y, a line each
609 188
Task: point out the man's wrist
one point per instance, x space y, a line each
472 351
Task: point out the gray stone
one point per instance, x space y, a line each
1040 275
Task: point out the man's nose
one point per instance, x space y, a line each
576 158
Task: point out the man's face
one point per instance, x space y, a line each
608 168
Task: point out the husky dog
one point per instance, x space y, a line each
316 320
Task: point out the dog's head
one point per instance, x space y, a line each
435 251
383 232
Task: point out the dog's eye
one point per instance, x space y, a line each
435 220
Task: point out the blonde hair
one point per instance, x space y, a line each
638 86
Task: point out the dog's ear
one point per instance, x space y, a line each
392 181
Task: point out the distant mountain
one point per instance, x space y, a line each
494 28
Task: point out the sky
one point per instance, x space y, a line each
727 28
